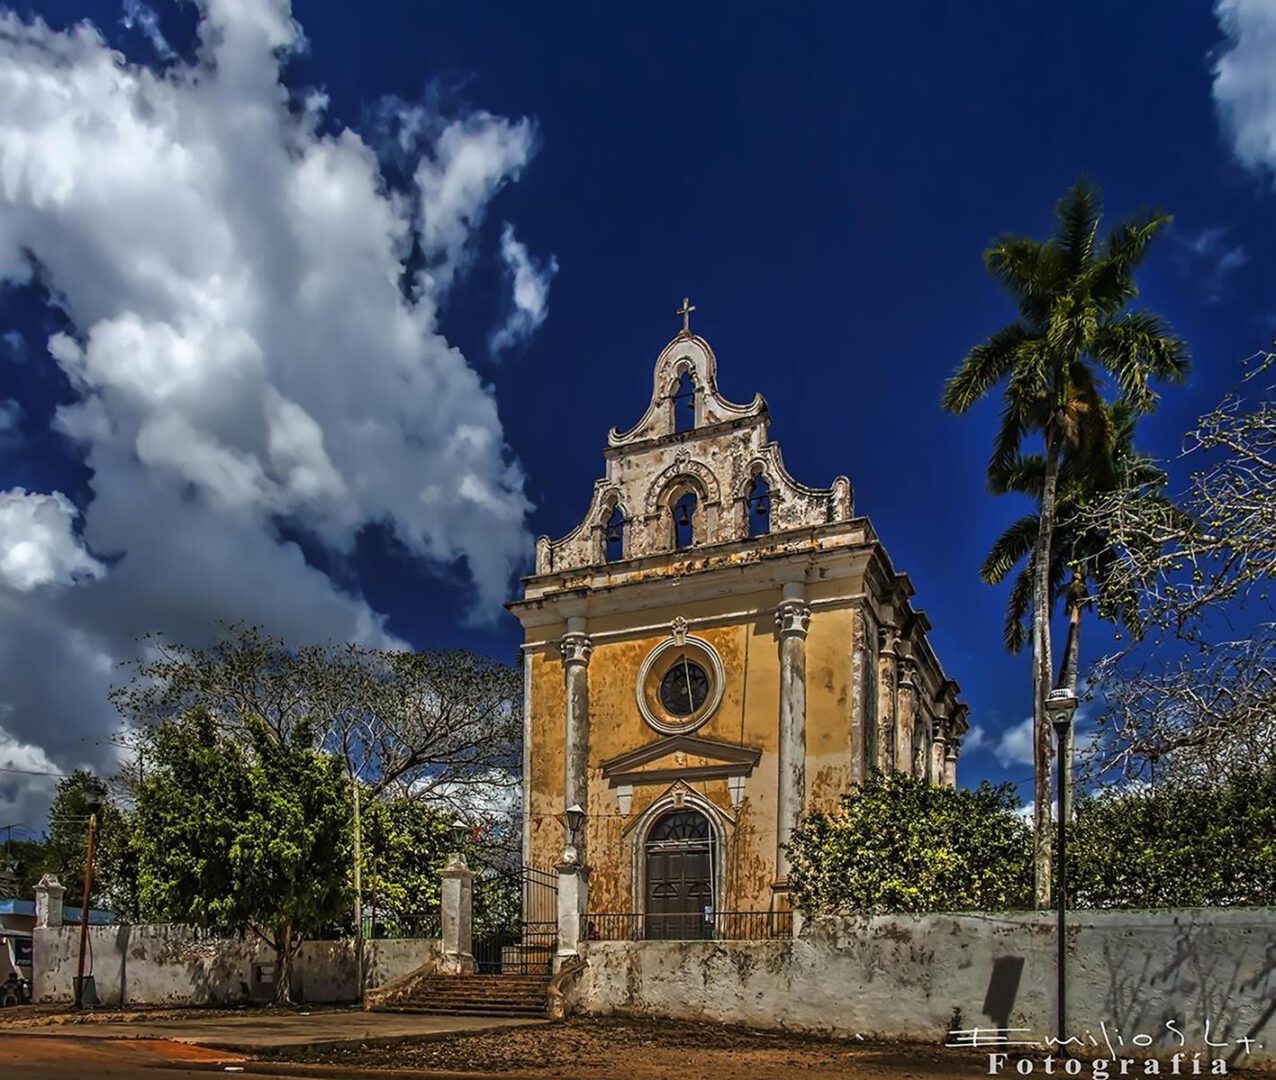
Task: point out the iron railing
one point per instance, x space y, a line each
707 926
414 924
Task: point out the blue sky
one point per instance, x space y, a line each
252 425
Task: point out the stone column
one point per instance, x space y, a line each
950 762
458 898
793 618
48 902
887 637
573 903
905 714
859 702
938 750
576 647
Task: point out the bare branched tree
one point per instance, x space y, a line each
1218 544
440 725
1182 706
1205 715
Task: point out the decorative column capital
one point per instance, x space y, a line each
907 672
793 617
939 730
887 637
575 647
954 749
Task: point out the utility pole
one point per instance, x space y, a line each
358 892
84 909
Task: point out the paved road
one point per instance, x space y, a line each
88 1059
264 1029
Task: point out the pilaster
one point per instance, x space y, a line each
792 620
905 713
887 678
576 647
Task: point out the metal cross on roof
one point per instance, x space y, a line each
685 311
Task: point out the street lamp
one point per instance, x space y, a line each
460 831
1061 705
94 798
575 819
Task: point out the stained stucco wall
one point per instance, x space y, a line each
1129 972
748 715
170 965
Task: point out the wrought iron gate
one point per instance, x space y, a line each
515 921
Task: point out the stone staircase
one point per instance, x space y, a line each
475 995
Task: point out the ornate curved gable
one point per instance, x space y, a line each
653 467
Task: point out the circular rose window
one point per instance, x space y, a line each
680 684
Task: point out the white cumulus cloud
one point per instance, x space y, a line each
1245 79
38 545
531 292
250 342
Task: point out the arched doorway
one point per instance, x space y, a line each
679 900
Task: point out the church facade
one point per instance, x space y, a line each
713 652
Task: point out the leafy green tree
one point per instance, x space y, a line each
405 844
899 843
1194 843
245 837
1072 332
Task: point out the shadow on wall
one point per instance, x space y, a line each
1210 969
1003 989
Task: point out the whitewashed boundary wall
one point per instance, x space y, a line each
173 965
921 977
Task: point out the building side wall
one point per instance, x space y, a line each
921 977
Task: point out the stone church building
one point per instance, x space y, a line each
714 651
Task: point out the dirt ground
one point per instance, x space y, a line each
629 1049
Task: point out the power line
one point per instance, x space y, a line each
31 772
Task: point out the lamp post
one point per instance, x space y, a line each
460 831
575 819
94 798
1061 705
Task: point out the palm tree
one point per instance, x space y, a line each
1073 330
1082 557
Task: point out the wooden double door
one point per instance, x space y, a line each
680 877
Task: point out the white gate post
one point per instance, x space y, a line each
48 902
457 907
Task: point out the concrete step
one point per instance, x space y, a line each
444 1010
477 995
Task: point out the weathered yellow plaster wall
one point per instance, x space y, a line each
748 716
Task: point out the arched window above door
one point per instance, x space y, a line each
680 825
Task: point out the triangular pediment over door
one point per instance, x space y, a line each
681 757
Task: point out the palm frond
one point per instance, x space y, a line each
1011 546
1027 270
1015 631
985 366
1016 419
1136 348
1026 475
1079 213
1113 279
